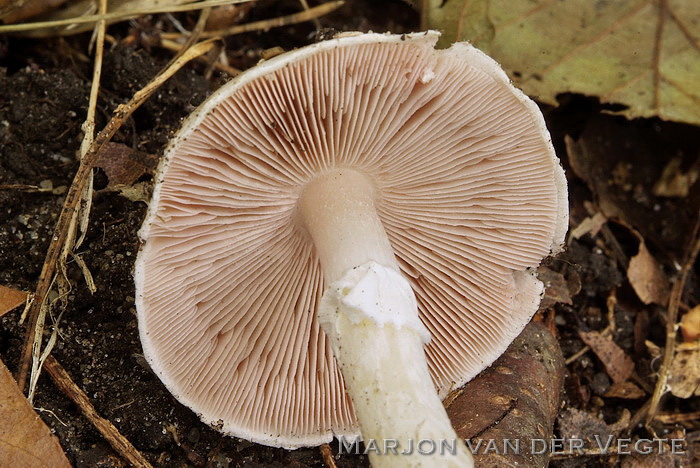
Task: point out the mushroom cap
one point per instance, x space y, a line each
468 187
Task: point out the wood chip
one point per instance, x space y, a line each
618 365
25 441
590 225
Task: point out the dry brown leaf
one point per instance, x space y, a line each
138 192
618 365
690 324
626 390
685 371
556 288
10 298
25 441
123 165
647 278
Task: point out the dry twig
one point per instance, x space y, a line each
116 16
675 418
327 456
79 219
264 25
177 47
305 5
25 187
118 442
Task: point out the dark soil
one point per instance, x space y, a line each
44 86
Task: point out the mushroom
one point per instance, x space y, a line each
345 233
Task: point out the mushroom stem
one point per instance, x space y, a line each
338 210
370 315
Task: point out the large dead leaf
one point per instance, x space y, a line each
556 288
12 11
644 54
25 441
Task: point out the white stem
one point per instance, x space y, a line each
370 315
338 210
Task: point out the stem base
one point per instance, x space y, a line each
378 340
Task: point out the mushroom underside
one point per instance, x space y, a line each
465 184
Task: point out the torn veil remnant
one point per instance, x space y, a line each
327 214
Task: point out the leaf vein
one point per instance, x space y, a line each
596 39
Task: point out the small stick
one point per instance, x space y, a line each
673 418
305 5
80 217
116 16
28 188
88 127
176 47
118 442
264 25
327 456
577 355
